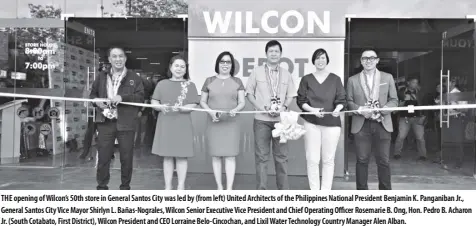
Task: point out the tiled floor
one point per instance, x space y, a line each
407 174
144 179
142 159
67 172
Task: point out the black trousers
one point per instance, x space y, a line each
107 134
373 137
88 137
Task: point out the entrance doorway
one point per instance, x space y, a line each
458 75
149 43
430 52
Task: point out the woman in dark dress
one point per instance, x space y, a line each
225 93
321 91
174 131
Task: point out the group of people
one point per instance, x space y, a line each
270 88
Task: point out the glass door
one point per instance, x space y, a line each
458 86
74 129
25 64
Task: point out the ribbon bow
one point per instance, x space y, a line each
288 128
376 115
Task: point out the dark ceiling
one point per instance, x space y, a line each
404 25
154 28
133 24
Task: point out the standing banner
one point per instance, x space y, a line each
244 28
71 74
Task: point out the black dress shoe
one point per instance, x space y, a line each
421 158
397 157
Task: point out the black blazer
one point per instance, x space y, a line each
131 90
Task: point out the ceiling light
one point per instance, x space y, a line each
141 58
155 63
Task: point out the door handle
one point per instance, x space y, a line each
88 88
94 77
442 111
447 94
441 98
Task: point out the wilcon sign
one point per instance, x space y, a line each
249 18
269 22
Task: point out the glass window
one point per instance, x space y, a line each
28 60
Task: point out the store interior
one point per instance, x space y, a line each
407 48
410 48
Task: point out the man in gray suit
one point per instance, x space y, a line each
372 130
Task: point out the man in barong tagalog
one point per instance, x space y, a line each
270 88
369 89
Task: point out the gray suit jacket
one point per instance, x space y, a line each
356 98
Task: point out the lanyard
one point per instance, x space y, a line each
273 88
370 89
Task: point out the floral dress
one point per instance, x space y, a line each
174 130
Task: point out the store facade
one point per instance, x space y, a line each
332 28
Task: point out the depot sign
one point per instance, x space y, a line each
296 56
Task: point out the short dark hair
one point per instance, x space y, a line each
220 56
413 78
186 76
369 49
271 44
115 47
318 53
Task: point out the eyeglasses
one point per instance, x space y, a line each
225 62
369 58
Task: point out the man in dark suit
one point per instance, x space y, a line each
365 90
115 120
